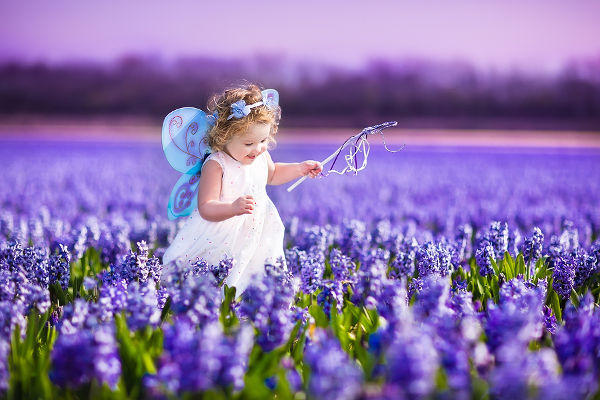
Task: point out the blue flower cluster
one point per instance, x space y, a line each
518 317
393 249
267 302
434 259
197 359
82 355
532 246
333 374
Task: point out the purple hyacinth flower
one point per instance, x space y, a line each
497 235
315 237
295 259
312 273
333 374
518 317
198 360
221 271
403 264
142 306
563 276
111 300
330 291
393 300
412 362
463 237
342 267
4 376
354 238
460 300
59 268
369 283
196 298
82 356
585 266
519 371
135 266
483 257
432 295
266 302
577 343
550 323
428 261
532 246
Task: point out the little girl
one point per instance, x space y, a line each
235 217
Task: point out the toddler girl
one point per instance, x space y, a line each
235 217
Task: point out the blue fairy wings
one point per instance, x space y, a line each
184 196
184 145
183 141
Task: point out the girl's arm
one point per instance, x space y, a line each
209 192
280 173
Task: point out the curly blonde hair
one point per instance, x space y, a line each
224 129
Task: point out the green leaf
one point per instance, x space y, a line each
479 389
227 317
520 265
509 269
319 315
254 388
57 294
365 359
480 288
574 298
337 324
298 347
554 302
495 266
166 309
441 379
495 286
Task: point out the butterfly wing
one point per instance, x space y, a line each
183 132
184 196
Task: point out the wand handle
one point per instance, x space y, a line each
325 161
299 181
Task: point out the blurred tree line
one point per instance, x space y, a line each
311 93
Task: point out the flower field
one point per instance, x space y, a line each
465 273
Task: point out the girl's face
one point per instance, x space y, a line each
249 145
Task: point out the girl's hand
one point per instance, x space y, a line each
243 205
311 168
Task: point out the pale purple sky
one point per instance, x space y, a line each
537 35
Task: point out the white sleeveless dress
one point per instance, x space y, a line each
251 239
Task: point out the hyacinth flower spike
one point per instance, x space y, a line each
359 144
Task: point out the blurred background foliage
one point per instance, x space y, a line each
417 92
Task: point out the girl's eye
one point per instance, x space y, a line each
248 144
264 140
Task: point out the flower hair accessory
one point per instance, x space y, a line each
239 109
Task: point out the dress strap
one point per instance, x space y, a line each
218 157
